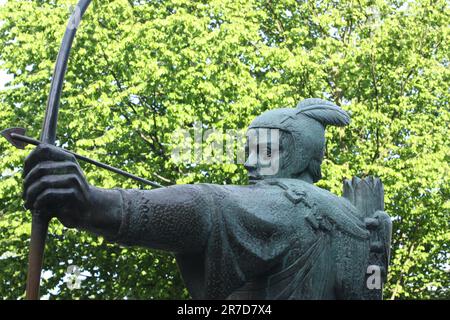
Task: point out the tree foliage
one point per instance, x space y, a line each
141 69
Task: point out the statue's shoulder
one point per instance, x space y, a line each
327 210
321 208
300 191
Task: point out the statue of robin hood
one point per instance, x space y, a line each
281 237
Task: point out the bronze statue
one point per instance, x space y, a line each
281 237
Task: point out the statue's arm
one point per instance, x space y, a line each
174 219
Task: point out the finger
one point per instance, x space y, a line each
53 199
46 152
66 181
50 168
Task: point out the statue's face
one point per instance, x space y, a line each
270 154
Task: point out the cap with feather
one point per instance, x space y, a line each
323 111
306 123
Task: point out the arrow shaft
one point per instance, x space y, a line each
35 142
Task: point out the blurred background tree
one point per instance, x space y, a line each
141 69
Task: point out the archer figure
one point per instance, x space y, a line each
280 237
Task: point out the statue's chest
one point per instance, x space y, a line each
288 211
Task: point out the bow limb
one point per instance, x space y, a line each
39 223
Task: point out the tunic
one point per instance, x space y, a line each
277 239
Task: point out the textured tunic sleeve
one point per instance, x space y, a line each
174 219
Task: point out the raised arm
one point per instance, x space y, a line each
174 219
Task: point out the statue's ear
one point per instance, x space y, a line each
324 112
314 169
287 144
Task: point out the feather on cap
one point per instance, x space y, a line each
325 112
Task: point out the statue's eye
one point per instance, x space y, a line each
264 150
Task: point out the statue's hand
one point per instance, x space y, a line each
55 185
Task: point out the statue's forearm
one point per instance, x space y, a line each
104 214
173 219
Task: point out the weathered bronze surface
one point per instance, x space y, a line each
280 237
